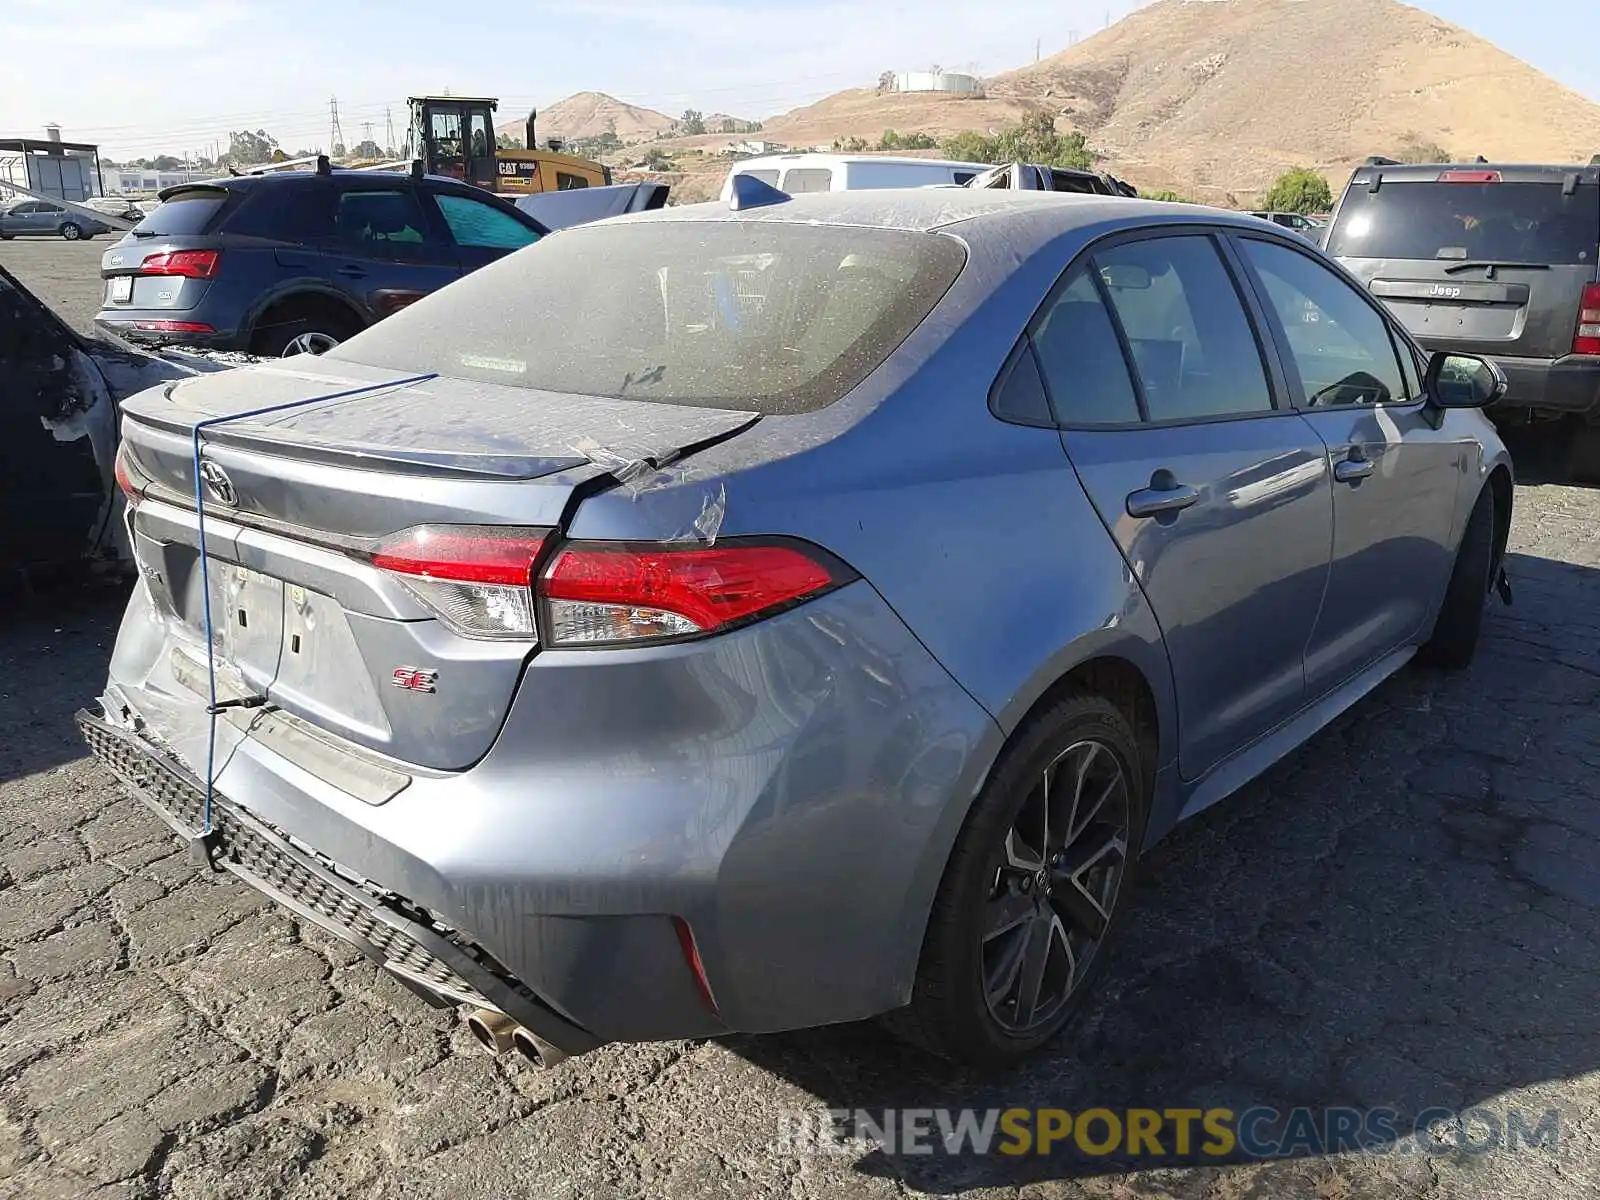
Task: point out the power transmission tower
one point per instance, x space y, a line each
366 132
388 120
335 133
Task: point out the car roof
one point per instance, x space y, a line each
934 208
271 179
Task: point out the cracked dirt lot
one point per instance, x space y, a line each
1403 914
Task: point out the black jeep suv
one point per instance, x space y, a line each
1500 261
298 261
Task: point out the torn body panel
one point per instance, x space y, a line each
59 396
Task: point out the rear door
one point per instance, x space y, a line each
388 250
1483 261
1395 477
1217 496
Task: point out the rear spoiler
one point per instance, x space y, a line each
580 206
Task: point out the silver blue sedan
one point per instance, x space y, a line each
791 610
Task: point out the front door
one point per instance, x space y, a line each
389 249
481 231
1218 499
1396 478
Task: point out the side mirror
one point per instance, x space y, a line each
1464 381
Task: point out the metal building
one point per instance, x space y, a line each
51 167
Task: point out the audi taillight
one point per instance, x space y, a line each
478 579
1586 340
190 264
607 594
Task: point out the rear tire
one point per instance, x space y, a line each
1583 454
71 231
1022 883
292 333
1455 635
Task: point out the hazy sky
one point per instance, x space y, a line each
166 75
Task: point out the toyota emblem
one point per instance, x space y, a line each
218 484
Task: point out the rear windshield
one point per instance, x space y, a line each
761 315
1498 222
185 213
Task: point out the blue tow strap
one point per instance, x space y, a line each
212 708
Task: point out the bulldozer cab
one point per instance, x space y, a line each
454 136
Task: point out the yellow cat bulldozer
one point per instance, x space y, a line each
454 136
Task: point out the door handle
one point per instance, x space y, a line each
1164 495
1354 468
351 272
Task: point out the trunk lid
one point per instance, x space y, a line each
1493 267
296 499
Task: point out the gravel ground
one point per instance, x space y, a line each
1403 914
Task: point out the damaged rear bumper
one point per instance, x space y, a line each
766 813
433 960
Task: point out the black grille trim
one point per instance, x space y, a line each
265 859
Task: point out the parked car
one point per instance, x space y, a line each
45 218
292 262
1307 227
117 206
1494 260
58 433
744 618
797 174
1040 177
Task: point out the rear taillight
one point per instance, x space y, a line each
131 491
1586 340
191 264
600 594
173 326
479 579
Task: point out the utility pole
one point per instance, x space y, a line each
1037 42
335 133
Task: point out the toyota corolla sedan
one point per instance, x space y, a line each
789 611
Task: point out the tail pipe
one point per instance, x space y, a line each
499 1034
492 1029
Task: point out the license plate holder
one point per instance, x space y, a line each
121 289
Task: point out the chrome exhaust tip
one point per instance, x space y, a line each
535 1049
493 1029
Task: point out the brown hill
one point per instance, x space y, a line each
589 114
1219 97
866 113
